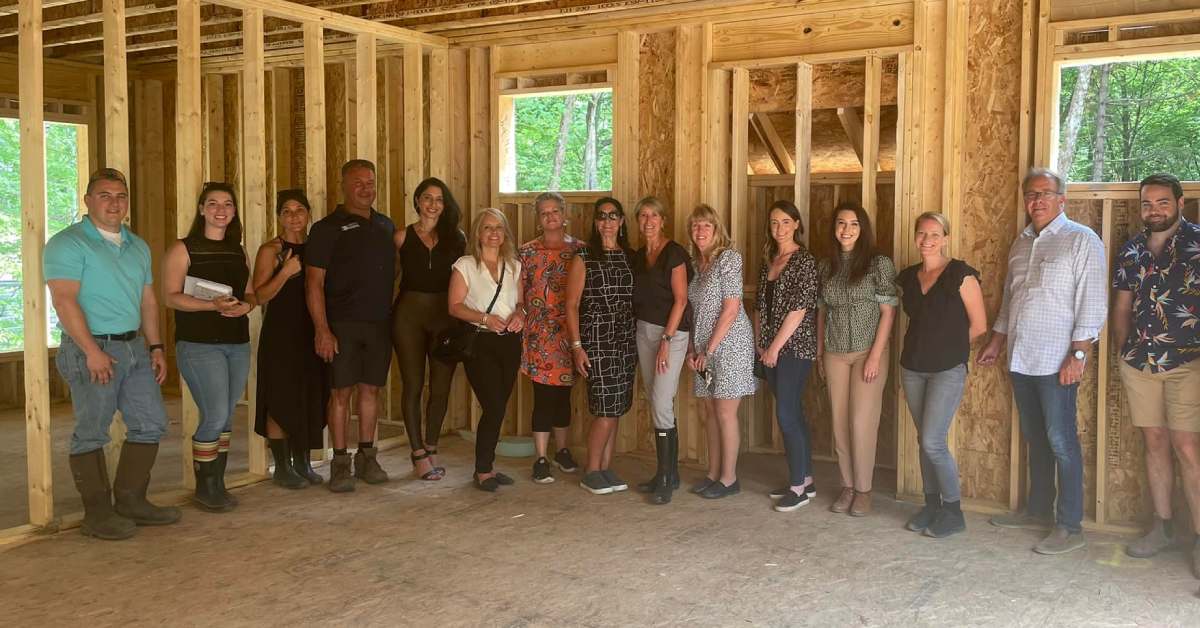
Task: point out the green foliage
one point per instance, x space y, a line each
62 202
537 125
1152 120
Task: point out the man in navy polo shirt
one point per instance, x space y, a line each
351 268
102 288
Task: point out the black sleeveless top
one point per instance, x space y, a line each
222 262
424 269
938 334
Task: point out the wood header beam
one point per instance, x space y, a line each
336 21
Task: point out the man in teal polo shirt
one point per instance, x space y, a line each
102 288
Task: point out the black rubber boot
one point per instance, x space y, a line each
91 480
302 465
650 485
222 460
131 483
673 439
925 516
663 488
209 495
284 475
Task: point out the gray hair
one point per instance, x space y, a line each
550 196
1060 184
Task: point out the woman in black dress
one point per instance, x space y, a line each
292 386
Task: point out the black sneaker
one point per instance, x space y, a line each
780 493
565 462
596 483
791 502
811 489
541 471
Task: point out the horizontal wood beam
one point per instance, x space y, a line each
84 16
10 7
336 21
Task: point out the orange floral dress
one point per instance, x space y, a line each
546 356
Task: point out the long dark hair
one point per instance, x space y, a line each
595 242
233 233
859 260
449 234
771 247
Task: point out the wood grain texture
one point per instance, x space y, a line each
850 29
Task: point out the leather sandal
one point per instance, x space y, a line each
432 474
432 451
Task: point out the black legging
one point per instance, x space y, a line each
416 321
551 407
491 373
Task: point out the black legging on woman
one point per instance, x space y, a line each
492 372
417 319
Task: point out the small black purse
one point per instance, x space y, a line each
457 343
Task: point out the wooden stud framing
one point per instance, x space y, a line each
116 88
737 164
625 118
213 90
871 122
188 175
853 126
254 196
689 85
955 134
439 114
366 100
314 119
801 187
770 137
335 21
414 127
1102 379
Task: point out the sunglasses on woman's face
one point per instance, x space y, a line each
602 216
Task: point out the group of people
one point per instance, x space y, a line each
558 309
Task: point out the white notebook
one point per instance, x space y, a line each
205 290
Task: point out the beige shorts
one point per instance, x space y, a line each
1170 399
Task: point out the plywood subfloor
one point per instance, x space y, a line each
444 554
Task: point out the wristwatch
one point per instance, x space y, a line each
151 348
1080 355
667 337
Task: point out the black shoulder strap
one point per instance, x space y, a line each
500 284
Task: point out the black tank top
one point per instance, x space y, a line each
222 262
423 269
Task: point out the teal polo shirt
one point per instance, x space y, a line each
111 277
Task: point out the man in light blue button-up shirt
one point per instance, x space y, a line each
1055 304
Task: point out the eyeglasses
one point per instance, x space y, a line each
1031 197
613 216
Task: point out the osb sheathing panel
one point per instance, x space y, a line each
834 85
831 150
987 227
1083 9
656 117
850 29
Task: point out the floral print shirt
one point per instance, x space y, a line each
546 357
1166 299
794 289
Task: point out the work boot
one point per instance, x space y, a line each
366 466
131 483
341 479
1022 520
862 504
91 480
208 494
949 520
842 503
1061 541
303 466
284 475
1159 538
925 516
662 487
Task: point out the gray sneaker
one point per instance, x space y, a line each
1061 541
1022 520
596 483
1155 541
366 466
615 482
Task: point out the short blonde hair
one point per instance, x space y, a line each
705 213
653 203
508 251
937 217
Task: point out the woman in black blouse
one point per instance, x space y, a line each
785 332
944 304
427 249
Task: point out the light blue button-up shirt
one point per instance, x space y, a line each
111 278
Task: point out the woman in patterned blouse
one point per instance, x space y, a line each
785 324
546 355
857 307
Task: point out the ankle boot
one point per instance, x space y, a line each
673 441
341 477
949 520
925 516
131 483
91 480
284 475
302 465
663 488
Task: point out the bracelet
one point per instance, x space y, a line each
160 347
576 344
484 321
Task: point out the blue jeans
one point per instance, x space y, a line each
787 380
933 399
1048 424
132 390
216 374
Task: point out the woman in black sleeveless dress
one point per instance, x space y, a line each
292 387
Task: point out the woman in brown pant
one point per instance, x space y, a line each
857 306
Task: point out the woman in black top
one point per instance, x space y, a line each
428 248
207 282
661 272
292 388
944 304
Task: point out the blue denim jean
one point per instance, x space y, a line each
216 375
787 379
1047 412
933 399
132 390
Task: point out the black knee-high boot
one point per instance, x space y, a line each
664 485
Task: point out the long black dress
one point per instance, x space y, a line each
292 384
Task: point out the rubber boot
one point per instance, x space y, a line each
284 475
91 480
649 486
131 483
223 459
663 489
302 465
673 440
208 494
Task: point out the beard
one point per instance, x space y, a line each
1159 226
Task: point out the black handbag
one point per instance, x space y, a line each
457 343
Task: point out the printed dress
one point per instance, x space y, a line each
732 364
546 356
607 330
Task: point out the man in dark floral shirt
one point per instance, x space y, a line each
1156 318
